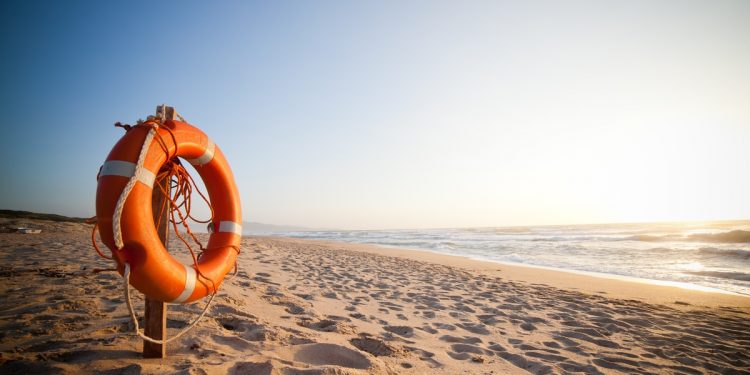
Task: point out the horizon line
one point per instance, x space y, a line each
311 229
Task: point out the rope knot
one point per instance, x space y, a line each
127 127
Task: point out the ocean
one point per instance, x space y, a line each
711 255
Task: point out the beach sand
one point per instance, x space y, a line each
310 307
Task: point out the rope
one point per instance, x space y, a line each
116 226
96 245
182 186
180 199
126 278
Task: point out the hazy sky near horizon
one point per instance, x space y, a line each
367 115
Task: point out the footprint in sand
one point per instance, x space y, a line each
462 340
465 351
445 326
477 328
338 318
359 316
428 329
249 331
373 346
404 331
326 325
321 354
525 364
331 295
294 309
428 314
425 356
222 309
252 368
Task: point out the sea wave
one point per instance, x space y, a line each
656 238
661 249
726 253
734 236
741 276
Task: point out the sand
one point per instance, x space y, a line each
308 307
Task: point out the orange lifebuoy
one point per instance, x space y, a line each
129 230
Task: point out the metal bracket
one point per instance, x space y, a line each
165 112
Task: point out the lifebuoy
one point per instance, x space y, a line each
135 242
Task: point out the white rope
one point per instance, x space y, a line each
116 227
126 277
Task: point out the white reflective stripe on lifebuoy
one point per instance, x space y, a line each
230 227
207 156
126 169
190 278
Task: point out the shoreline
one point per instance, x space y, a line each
672 293
633 279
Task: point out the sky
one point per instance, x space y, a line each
395 114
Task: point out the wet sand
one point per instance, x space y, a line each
311 307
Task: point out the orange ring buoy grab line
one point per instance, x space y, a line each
125 215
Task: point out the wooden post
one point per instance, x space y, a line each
156 311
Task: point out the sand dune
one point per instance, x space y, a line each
305 307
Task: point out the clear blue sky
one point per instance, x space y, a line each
395 114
